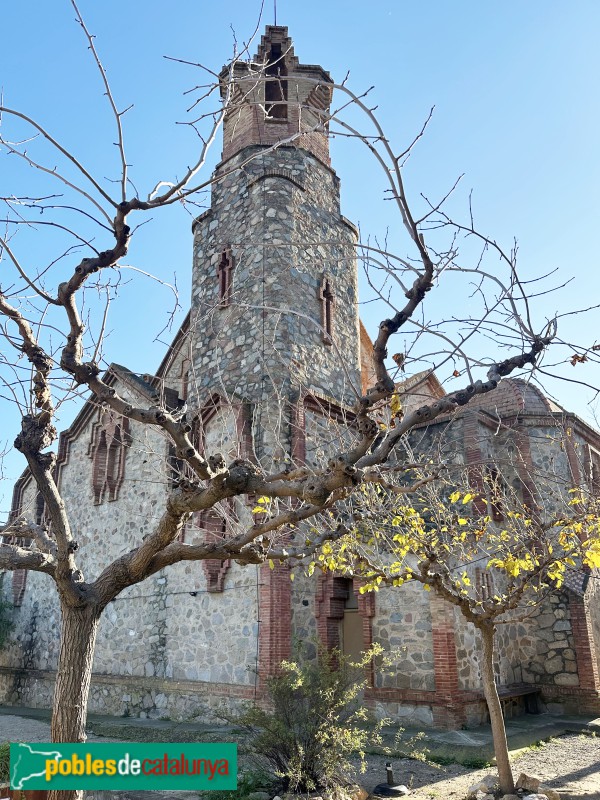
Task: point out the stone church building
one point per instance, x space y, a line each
270 352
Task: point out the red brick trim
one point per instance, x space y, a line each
449 710
420 696
576 700
275 619
286 174
243 422
572 458
16 508
298 432
525 466
583 638
19 576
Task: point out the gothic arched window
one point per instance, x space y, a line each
110 437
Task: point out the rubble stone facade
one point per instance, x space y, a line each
267 361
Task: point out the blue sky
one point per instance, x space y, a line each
517 111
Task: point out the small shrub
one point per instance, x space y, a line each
476 763
4 763
315 723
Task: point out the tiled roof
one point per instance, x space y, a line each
511 397
142 385
577 580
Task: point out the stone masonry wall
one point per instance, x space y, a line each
166 647
403 626
280 220
551 659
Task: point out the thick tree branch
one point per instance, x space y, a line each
25 528
14 557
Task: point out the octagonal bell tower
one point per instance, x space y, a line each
274 294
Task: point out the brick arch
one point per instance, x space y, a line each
278 172
317 404
243 422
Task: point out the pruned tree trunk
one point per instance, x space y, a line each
507 783
73 678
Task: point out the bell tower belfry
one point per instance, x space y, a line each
274 292
274 98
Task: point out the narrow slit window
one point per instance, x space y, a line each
185 378
113 459
327 299
99 468
224 272
39 509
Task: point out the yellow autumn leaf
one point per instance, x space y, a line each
395 405
592 555
467 498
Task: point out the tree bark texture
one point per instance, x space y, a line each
73 679
492 699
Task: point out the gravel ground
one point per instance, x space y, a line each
21 729
570 764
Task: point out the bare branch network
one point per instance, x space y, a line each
272 436
59 369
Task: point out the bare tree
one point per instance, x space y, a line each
49 348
